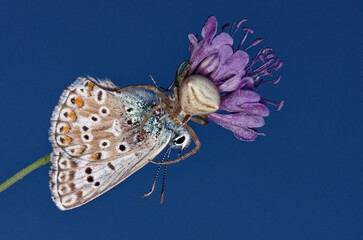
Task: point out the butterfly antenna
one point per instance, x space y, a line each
162 189
157 174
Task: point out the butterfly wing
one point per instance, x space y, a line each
96 142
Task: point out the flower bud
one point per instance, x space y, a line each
198 96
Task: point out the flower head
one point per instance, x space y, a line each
235 75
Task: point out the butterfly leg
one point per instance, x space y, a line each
188 154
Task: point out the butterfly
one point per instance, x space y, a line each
101 134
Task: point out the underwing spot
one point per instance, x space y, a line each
71 175
97 184
63 189
129 122
122 147
85 128
94 118
104 111
68 115
88 170
96 156
66 176
89 179
99 96
90 85
78 101
111 166
87 137
63 128
129 109
81 149
104 143
64 140
79 195
73 164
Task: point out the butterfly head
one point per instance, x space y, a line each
181 139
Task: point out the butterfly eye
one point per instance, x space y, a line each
180 140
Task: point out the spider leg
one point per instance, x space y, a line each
149 114
188 154
162 96
200 121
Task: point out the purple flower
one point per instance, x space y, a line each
235 75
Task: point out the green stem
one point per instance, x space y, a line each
37 164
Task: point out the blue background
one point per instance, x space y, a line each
302 181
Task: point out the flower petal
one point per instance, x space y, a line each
239 123
210 29
235 100
237 120
230 63
245 134
193 42
236 82
222 39
255 109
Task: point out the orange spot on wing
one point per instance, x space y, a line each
81 150
72 116
67 140
95 156
79 101
66 128
90 86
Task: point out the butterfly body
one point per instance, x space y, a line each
95 134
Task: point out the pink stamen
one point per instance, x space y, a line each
238 25
280 105
277 80
279 66
248 30
257 41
